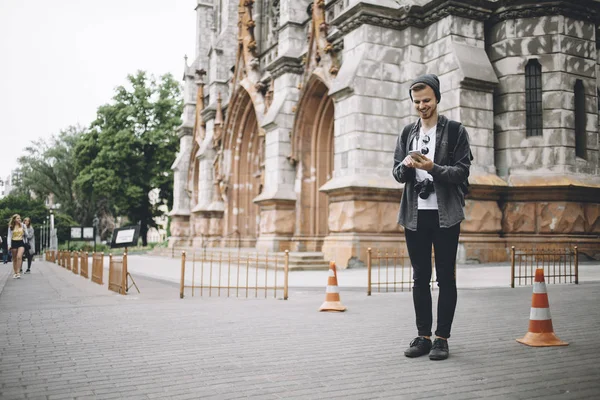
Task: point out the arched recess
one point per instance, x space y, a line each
313 151
244 146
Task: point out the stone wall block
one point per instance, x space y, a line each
476 117
580 66
483 155
277 221
467 27
579 29
498 51
363 216
498 32
481 137
562 155
508 83
592 140
591 122
509 102
559 137
385 54
546 44
519 217
578 47
431 34
592 218
370 69
556 99
509 66
444 27
482 216
391 72
442 65
393 38
554 81
554 118
475 99
381 124
437 49
538 26
561 217
395 108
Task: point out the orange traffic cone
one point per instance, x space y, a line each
332 293
541 332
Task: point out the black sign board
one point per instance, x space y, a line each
126 236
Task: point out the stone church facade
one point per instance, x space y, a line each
293 108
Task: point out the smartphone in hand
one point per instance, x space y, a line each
415 154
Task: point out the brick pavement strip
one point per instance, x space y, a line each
62 337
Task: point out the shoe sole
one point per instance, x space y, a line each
415 355
438 358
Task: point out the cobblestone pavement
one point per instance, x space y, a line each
63 337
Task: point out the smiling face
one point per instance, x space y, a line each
424 101
27 222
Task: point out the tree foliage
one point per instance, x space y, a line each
129 150
48 167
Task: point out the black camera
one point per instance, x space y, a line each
424 188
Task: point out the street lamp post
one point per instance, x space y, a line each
43 229
95 222
47 231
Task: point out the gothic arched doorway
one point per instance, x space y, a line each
314 154
245 149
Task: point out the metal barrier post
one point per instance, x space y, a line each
369 271
576 265
286 269
512 267
182 283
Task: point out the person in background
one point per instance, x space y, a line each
16 243
30 240
4 245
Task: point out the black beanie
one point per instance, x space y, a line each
430 80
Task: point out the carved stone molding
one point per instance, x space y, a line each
513 9
285 65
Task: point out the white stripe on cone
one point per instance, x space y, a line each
331 273
539 287
539 314
332 289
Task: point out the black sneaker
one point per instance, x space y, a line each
418 347
28 271
439 350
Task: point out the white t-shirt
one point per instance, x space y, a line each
429 203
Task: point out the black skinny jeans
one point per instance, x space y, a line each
445 244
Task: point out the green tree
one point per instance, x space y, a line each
130 148
48 168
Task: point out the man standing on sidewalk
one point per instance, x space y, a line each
432 159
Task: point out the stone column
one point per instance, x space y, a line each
278 199
364 198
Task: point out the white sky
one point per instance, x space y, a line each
61 59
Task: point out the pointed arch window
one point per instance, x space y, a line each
580 120
533 98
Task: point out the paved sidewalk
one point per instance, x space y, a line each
63 337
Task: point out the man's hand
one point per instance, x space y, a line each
422 162
409 162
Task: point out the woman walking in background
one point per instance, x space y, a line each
30 243
4 242
16 235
